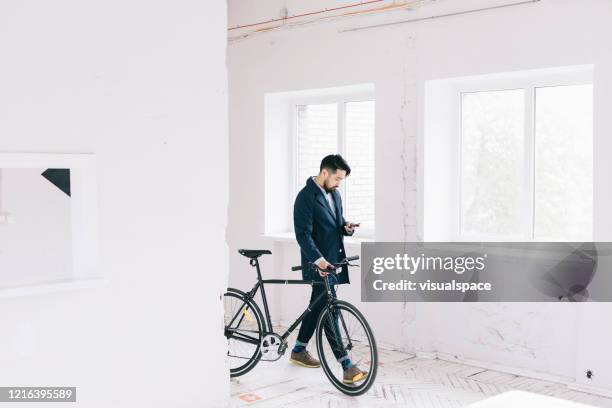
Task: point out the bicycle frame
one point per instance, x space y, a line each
260 283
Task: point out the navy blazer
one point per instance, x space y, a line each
318 232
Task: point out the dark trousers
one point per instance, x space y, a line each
332 329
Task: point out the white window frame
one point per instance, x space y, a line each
529 82
84 210
340 100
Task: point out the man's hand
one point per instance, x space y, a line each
323 264
350 226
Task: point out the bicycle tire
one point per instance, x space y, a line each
348 389
252 361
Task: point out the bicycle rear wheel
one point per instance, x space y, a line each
352 337
244 328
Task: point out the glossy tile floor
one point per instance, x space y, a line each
403 381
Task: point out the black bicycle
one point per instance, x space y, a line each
251 337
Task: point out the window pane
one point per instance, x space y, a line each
317 129
492 149
359 145
564 163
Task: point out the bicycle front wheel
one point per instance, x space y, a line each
343 333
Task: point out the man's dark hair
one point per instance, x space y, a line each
334 162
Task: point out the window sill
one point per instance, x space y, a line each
52 287
290 237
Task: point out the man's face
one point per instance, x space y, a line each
332 180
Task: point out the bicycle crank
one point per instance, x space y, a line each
272 347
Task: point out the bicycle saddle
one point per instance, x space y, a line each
253 253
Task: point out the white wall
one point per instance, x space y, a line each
398 60
143 86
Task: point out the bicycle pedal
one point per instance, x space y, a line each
282 348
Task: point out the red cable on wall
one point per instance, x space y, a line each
308 14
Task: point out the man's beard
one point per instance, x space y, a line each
329 190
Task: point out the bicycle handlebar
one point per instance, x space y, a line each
328 270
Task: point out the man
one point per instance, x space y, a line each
320 228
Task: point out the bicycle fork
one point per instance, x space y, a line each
333 318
